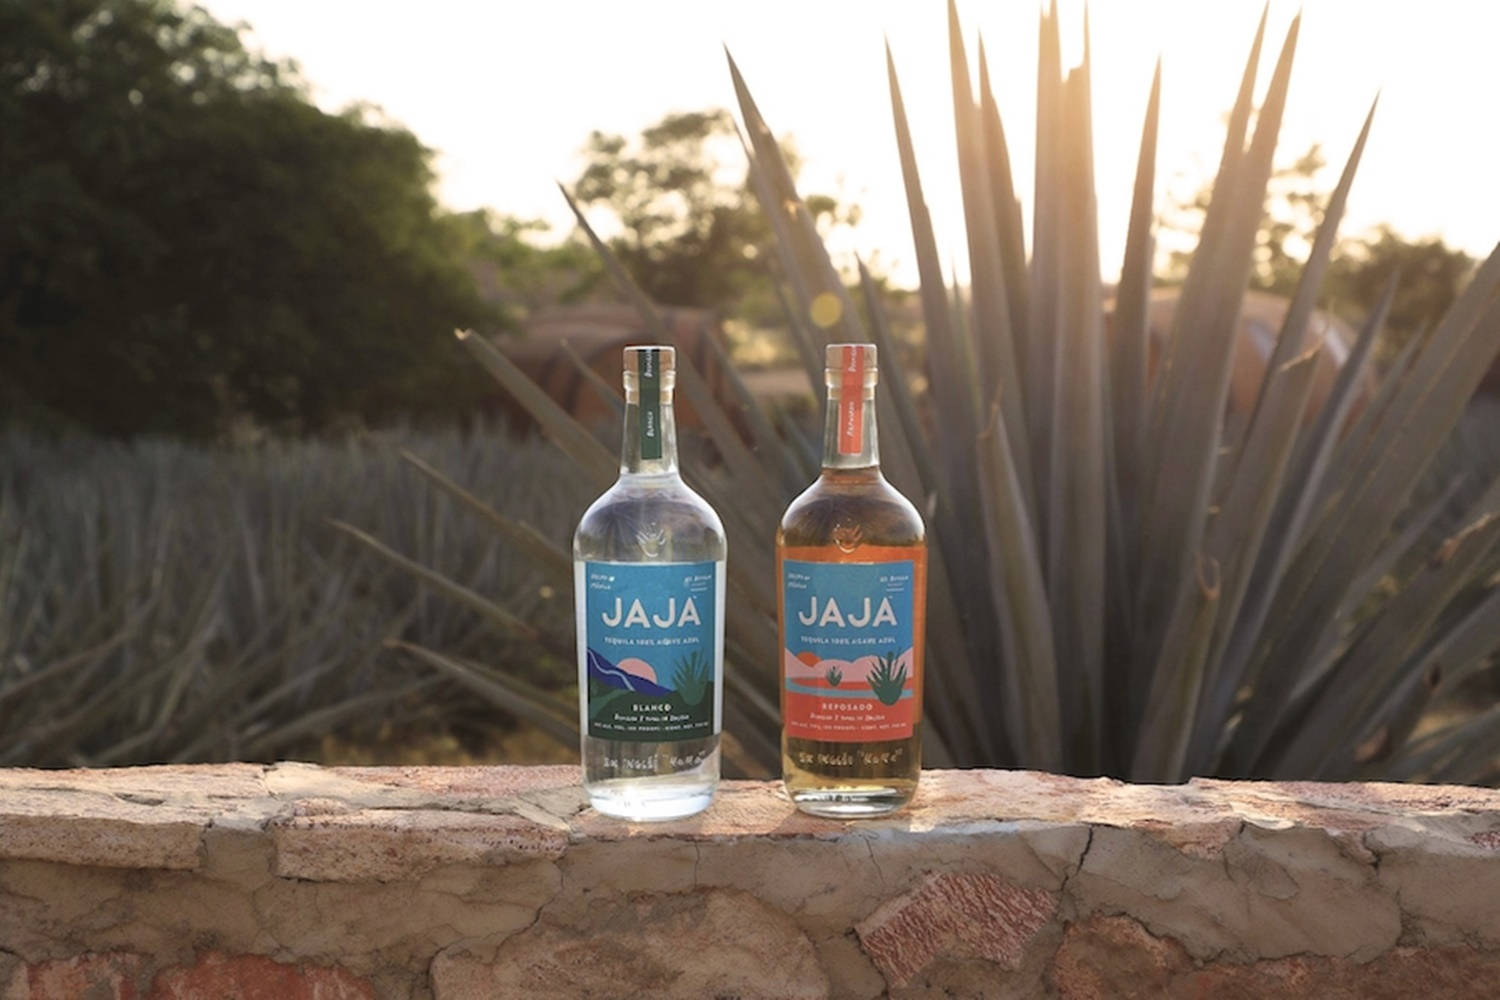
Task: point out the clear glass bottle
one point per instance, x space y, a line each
648 562
851 562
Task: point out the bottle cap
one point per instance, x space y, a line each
845 357
665 357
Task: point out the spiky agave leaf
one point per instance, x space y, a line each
193 605
1194 551
954 409
1121 581
1348 535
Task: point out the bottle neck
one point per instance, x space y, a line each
849 437
650 446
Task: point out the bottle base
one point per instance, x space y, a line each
650 800
850 802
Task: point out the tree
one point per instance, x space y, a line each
688 228
1293 209
1431 276
521 274
1431 273
187 239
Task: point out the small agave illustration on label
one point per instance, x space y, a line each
691 677
888 679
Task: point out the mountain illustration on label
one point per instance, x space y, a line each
880 675
631 674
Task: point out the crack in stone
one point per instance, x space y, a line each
263 918
139 798
1083 856
1408 921
1364 841
565 817
1239 832
879 872
541 817
74 790
1220 953
463 807
536 918
1042 862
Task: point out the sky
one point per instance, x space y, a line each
507 91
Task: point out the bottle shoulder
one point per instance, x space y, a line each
661 520
834 506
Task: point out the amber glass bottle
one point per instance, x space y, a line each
851 562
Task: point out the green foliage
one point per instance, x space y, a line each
190 240
1119 582
1431 273
834 676
691 676
1288 224
513 269
689 231
160 602
888 679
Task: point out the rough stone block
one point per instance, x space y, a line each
710 943
90 976
254 977
383 845
139 817
953 915
1115 958
292 880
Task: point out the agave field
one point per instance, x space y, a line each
166 603
1124 578
1123 581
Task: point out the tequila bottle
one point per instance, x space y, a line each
851 558
648 563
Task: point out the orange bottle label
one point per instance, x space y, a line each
852 634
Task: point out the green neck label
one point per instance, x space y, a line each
650 393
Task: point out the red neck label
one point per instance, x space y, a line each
851 402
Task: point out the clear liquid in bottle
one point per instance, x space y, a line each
648 560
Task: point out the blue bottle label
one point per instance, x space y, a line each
652 656
850 665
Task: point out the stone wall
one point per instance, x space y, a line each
293 881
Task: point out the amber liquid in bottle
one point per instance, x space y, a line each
851 563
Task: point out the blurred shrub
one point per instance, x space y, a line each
188 239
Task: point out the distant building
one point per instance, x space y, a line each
560 342
1260 323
